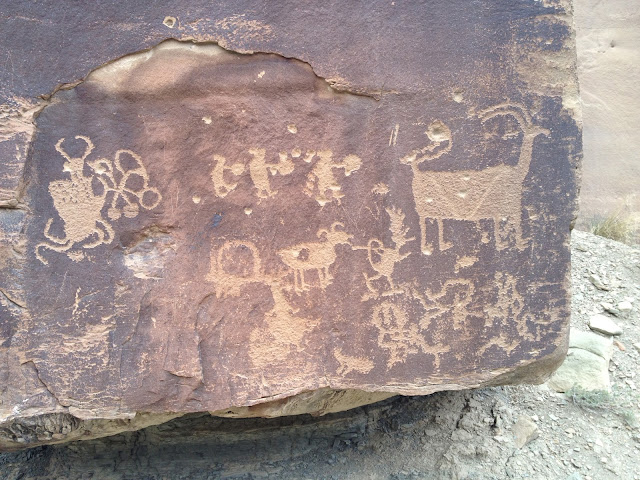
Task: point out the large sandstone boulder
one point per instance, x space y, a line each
274 211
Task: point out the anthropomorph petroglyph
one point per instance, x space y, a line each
283 333
236 265
508 310
315 256
472 194
321 182
384 259
124 187
400 336
259 170
451 302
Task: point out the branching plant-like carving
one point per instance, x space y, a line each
472 194
125 186
318 256
383 259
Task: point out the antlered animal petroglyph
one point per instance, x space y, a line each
472 194
318 256
384 259
80 208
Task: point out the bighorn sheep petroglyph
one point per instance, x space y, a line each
318 256
491 193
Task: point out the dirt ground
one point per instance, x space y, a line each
449 435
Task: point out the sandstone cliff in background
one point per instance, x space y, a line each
608 42
264 211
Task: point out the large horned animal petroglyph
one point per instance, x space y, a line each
472 194
318 256
80 208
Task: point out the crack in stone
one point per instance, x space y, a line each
11 300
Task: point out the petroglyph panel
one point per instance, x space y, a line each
210 229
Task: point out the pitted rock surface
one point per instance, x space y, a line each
263 230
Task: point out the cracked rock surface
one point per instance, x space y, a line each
246 212
448 435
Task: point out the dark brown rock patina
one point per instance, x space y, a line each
248 220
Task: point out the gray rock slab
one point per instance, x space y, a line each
603 324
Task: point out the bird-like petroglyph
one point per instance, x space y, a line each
383 260
472 194
124 189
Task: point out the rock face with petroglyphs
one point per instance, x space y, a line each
225 215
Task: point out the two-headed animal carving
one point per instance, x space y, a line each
318 256
472 194
80 207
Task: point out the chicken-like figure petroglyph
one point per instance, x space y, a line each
124 185
318 256
384 259
321 182
472 194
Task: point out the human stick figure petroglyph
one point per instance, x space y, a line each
321 182
453 299
401 337
318 256
384 259
472 194
80 208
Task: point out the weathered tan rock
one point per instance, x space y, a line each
264 217
608 45
586 365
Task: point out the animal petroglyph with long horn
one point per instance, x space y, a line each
472 194
318 256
